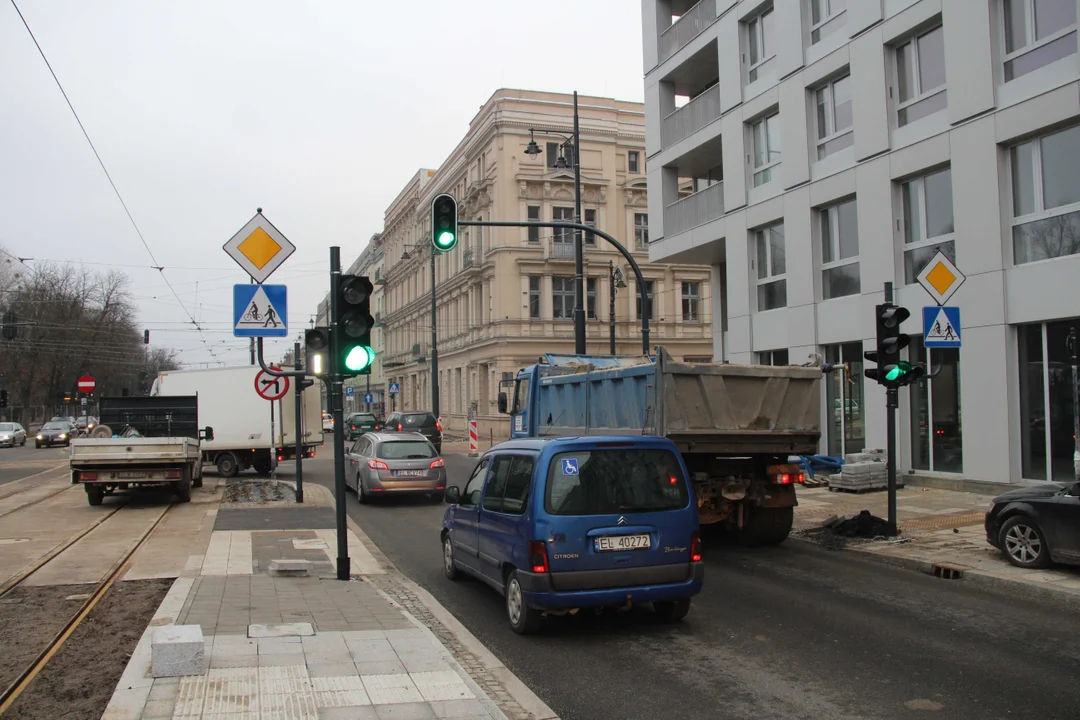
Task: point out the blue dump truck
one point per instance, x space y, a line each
735 425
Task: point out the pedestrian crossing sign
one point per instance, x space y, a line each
260 311
941 327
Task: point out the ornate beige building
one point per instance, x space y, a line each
505 295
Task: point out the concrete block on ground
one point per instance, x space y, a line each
178 651
290 566
281 630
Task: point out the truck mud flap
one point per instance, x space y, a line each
778 496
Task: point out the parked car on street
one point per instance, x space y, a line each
54 432
12 434
359 423
84 422
422 422
381 463
327 422
1037 525
577 522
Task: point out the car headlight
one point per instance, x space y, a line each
62 436
40 437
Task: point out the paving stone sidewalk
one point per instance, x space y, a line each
938 527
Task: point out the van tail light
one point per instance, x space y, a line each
88 476
438 463
377 465
172 474
538 558
695 547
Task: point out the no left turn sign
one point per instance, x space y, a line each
269 387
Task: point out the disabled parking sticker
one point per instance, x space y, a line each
569 466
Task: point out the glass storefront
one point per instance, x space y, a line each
936 428
1046 405
844 399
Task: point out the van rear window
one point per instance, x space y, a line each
601 482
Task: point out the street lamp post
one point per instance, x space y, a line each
574 141
616 277
434 335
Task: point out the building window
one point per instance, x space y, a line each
1037 33
590 298
834 117
590 219
826 17
649 285
766 148
534 297
772 357
1046 197
839 251
562 296
633 158
563 214
928 221
920 76
771 268
552 154
844 400
936 431
691 302
760 32
1046 411
641 231
534 216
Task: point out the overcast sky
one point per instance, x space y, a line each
203 110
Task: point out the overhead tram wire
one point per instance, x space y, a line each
156 265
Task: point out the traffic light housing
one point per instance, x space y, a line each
444 223
891 370
317 349
354 323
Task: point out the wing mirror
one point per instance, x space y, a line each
453 495
207 434
502 403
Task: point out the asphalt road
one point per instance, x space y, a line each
18 462
789 632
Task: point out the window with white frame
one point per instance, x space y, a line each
590 298
772 357
562 298
834 123
533 214
826 17
641 231
928 221
590 219
771 268
633 159
1046 196
563 235
760 32
1037 33
920 76
766 148
649 286
534 297
839 250
691 302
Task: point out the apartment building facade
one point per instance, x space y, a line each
505 295
836 146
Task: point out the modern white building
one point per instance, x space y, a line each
835 146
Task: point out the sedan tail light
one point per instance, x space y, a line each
437 463
538 557
695 547
377 465
399 427
438 425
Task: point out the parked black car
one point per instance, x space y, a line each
53 433
1037 525
420 422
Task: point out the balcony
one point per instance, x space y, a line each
691 117
694 210
472 257
686 28
379 279
561 250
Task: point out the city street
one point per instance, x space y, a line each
18 462
787 632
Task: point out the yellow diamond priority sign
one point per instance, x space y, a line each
941 278
259 248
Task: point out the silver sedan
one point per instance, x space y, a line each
394 463
12 434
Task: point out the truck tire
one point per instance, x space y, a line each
767 526
94 495
227 465
182 488
262 467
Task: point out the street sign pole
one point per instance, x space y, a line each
338 411
892 398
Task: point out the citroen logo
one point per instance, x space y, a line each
622 520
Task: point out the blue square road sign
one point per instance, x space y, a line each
941 327
260 311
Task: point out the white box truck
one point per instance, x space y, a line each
241 418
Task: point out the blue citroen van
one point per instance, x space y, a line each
557 524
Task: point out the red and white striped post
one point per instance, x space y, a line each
474 450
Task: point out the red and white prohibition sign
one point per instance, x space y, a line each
269 387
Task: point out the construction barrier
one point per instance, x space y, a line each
473 442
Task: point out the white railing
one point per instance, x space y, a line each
562 250
694 210
691 117
686 28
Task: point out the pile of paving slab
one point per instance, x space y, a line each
862 472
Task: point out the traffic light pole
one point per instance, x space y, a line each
434 344
298 425
338 412
892 398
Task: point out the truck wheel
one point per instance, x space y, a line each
227 465
767 526
94 495
262 467
183 489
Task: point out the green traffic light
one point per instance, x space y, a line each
445 239
359 358
893 373
898 371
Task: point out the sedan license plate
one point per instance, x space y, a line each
130 474
409 473
611 543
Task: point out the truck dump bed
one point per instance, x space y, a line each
729 410
152 416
